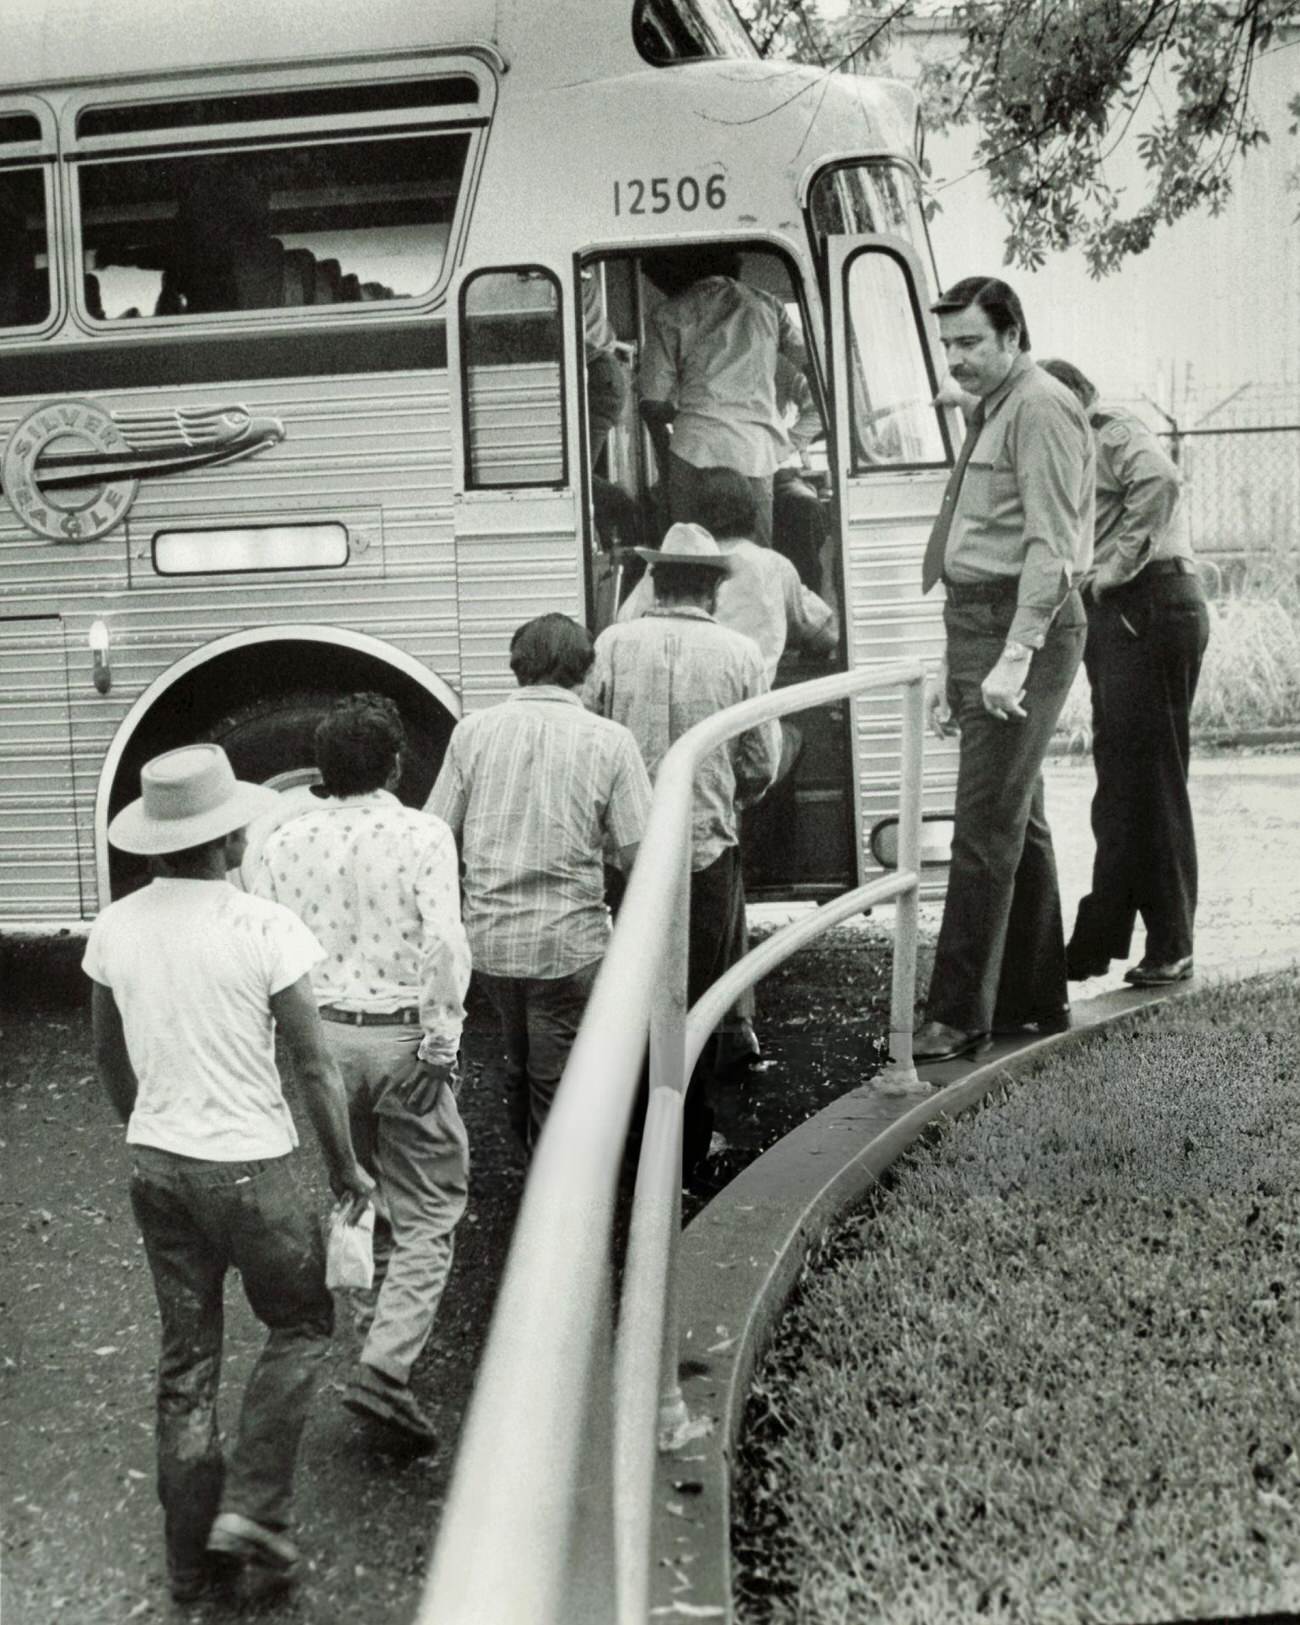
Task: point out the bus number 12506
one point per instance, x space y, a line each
661 193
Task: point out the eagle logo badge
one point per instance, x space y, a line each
71 470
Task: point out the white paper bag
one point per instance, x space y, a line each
350 1251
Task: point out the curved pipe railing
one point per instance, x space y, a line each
548 1516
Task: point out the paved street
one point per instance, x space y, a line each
1248 837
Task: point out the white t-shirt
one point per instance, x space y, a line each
192 965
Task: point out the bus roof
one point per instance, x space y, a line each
51 42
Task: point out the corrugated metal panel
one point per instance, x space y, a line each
508 575
515 419
372 451
889 522
38 878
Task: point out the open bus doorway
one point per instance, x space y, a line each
800 840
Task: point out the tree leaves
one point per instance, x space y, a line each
1054 86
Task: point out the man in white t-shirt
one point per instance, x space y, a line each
191 977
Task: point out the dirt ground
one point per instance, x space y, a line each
80 1526
82 1532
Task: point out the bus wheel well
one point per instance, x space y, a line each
262 702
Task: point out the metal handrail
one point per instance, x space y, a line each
548 1515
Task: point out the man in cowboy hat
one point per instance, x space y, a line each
191 976
659 675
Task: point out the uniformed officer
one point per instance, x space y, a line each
1148 626
1011 541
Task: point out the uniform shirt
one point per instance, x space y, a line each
377 883
763 598
535 788
1140 516
1024 511
665 672
711 351
193 965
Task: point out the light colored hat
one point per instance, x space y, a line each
687 544
191 795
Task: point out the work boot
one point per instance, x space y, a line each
271 1560
378 1397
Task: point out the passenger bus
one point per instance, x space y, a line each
295 309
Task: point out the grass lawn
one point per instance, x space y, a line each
1052 1374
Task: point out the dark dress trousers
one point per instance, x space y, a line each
1146 640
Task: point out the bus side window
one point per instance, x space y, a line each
24 288
512 355
279 227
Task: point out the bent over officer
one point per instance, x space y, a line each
1148 626
1011 540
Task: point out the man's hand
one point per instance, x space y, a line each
1004 687
419 1085
943 725
354 1183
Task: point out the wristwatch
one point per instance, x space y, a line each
1016 651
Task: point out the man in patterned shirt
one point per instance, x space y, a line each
377 884
536 790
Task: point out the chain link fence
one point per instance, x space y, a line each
1242 490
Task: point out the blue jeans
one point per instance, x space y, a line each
539 1016
199 1219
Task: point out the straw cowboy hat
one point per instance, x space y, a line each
191 796
687 544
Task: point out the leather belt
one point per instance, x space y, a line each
410 1017
981 592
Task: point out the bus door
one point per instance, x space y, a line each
800 841
894 452
514 478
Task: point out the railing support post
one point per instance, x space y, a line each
668 1070
900 1075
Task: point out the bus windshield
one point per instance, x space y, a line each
671 31
865 199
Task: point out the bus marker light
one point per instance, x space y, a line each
97 638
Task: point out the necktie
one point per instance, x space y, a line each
937 546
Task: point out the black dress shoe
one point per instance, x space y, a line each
1149 974
936 1041
1080 965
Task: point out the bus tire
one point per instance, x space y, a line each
272 742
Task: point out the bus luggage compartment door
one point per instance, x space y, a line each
894 452
39 878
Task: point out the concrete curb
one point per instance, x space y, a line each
741 1256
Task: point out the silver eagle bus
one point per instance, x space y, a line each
295 308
